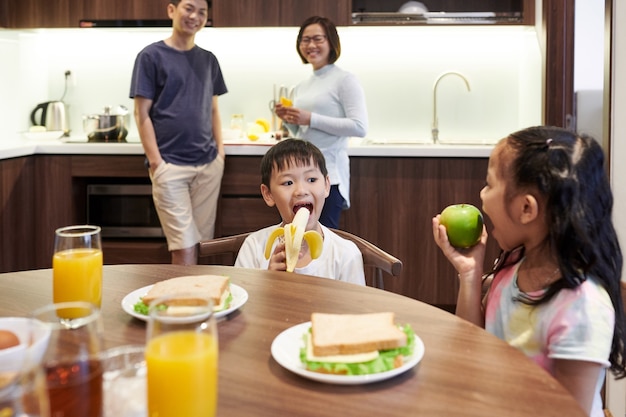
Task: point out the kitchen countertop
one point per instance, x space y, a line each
18 147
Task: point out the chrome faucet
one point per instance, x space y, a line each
435 129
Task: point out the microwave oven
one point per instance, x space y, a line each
123 210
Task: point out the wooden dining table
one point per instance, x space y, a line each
465 371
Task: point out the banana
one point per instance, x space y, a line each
293 233
264 123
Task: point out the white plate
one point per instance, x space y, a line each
286 351
47 135
240 296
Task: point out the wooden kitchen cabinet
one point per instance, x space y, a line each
35 199
125 9
17 205
525 8
68 13
257 13
393 202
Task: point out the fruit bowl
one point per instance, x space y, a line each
12 359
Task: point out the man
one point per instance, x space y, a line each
175 86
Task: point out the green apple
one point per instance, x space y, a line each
464 224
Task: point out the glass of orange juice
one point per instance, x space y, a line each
77 265
181 357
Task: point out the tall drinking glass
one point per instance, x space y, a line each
181 358
77 265
71 360
24 394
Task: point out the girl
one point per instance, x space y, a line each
554 293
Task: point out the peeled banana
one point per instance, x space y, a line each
293 233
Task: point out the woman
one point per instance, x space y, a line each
328 109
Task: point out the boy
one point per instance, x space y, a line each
294 175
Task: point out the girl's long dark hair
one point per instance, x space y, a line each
568 172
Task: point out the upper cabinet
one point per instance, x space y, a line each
267 13
68 13
443 12
125 9
251 13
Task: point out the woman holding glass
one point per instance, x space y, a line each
328 109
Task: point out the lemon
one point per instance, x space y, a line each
255 131
263 123
285 101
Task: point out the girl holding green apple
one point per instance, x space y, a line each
554 292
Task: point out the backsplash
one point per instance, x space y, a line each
502 65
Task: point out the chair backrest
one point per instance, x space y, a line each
228 245
373 256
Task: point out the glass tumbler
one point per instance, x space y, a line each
181 358
77 265
71 360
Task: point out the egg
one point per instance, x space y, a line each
8 339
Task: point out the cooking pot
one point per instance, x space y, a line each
109 126
54 116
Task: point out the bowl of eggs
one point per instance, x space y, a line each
21 338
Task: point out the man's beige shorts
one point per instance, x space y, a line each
186 201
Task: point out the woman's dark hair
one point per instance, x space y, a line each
290 152
331 36
567 171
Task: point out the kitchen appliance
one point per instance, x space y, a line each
109 126
53 115
123 210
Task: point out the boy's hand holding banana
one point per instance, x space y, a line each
293 234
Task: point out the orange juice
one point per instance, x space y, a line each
77 276
182 375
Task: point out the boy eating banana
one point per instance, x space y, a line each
295 180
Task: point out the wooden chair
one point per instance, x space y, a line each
373 256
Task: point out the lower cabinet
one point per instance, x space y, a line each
393 202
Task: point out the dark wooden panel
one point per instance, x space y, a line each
242 176
55 204
558 25
242 214
125 9
294 12
17 231
242 13
393 202
136 251
118 166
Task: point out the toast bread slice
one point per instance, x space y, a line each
189 290
344 334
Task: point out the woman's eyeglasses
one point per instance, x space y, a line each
317 39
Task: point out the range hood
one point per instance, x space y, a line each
122 23
447 18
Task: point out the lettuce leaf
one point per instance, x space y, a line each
384 362
142 308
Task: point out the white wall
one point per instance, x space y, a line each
616 391
589 66
503 65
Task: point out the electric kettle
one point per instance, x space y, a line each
54 115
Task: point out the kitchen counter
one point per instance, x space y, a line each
358 147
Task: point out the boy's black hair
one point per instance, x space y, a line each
568 172
290 152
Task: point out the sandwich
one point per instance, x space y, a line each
189 290
356 344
